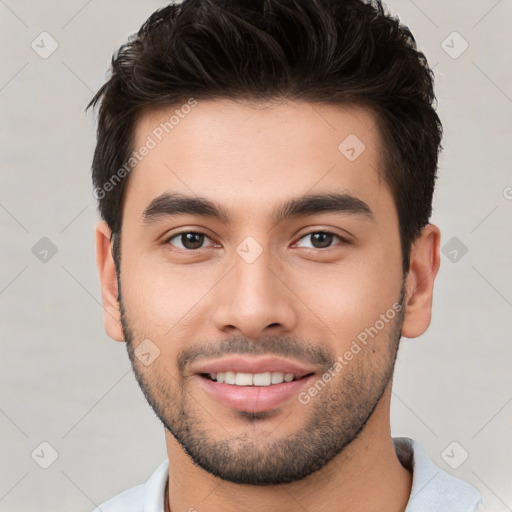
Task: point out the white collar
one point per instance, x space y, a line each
433 489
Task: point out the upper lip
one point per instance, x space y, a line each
255 365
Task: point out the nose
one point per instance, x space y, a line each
253 300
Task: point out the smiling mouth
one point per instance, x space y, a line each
252 379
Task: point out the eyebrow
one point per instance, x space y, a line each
168 204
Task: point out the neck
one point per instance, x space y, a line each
366 477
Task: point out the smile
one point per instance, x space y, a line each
252 379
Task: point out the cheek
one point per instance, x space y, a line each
350 296
162 299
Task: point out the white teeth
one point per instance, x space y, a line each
277 378
252 379
262 379
243 379
230 378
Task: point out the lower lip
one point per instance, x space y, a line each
253 398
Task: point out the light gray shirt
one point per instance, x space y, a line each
433 490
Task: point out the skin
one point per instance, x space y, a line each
248 159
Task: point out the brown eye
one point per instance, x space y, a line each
320 239
188 240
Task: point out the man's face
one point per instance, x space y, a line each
260 292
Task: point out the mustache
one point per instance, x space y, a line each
274 346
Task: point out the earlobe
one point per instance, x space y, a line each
108 280
419 286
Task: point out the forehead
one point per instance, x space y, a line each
256 154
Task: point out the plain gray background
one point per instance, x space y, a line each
64 382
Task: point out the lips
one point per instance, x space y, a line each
252 384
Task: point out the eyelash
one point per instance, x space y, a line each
326 232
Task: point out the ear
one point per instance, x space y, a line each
419 284
108 279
